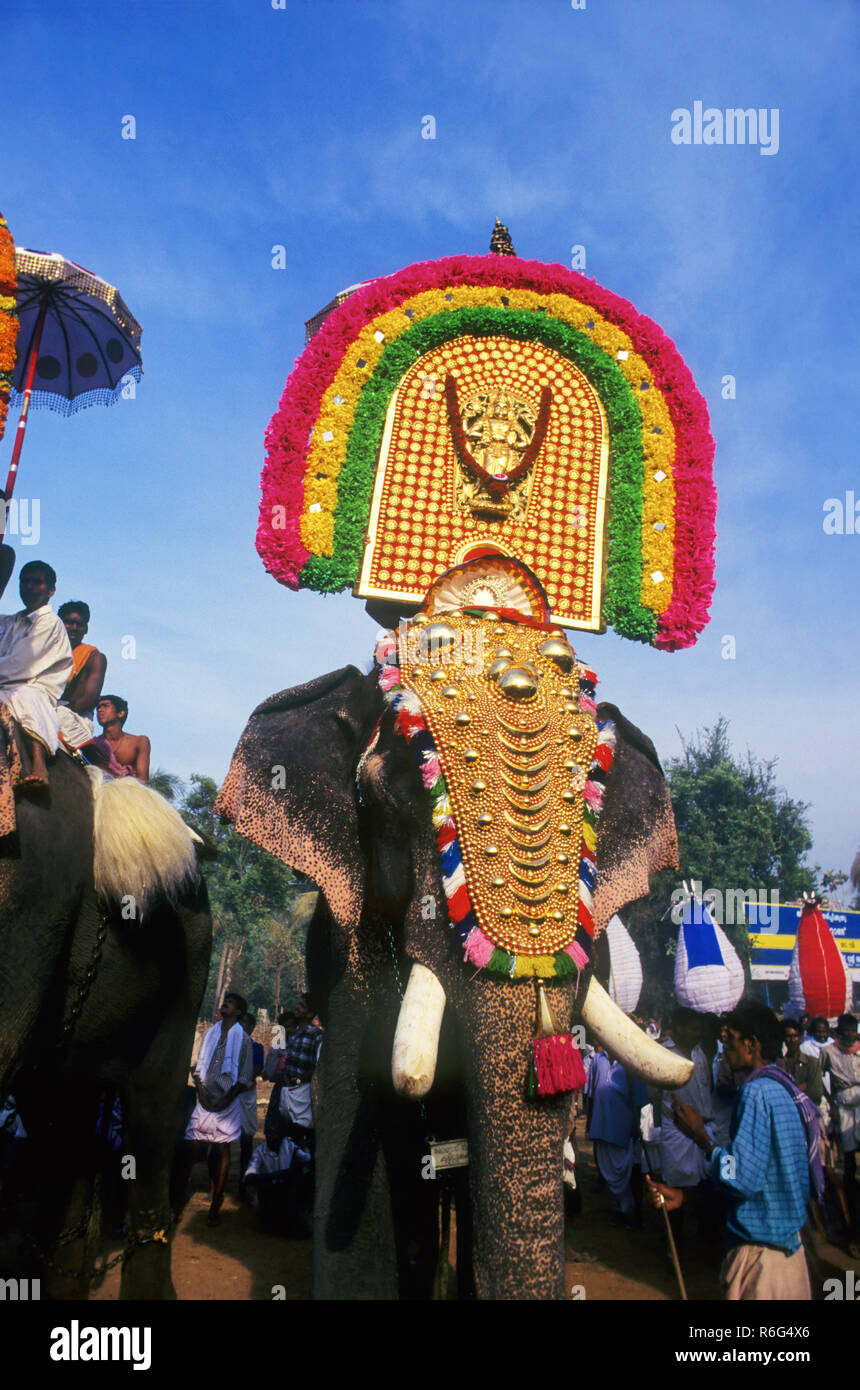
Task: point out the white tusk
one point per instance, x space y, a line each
416 1042
621 1036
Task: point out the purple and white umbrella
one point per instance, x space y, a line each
77 341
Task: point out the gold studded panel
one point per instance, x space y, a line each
430 512
501 700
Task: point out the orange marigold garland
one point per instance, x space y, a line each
8 318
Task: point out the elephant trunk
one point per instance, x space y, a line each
416 1042
626 1041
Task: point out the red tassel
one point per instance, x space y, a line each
558 1065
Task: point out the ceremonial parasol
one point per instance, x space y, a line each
818 982
77 343
709 977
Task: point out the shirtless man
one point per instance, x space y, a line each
77 705
129 751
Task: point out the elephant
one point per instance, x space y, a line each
95 1003
321 779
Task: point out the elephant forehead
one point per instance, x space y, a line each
305 817
516 740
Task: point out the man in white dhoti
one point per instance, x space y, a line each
35 664
224 1071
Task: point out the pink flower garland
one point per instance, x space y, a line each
281 547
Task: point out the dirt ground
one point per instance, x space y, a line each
240 1261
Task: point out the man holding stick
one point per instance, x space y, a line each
767 1169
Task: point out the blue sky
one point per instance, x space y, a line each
302 127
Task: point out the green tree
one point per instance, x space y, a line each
737 829
167 784
251 894
829 881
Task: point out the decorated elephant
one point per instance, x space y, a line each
490 452
326 777
104 948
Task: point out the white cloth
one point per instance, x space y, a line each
649 1131
295 1104
230 1066
847 1107
844 1070
248 1102
568 1175
222 1064
265 1160
76 729
35 665
811 1048
625 967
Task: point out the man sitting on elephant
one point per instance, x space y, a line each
77 707
35 664
126 755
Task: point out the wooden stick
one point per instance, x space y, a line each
672 1247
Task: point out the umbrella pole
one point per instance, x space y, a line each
25 410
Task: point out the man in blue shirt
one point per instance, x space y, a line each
763 1169
614 1103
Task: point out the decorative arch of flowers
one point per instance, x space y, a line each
323 441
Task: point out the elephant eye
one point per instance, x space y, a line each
392 792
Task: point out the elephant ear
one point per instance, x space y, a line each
291 784
636 833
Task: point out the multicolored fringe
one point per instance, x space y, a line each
8 319
478 949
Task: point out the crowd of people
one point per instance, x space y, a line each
276 1175
750 1146
52 682
754 1154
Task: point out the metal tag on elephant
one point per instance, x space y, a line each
454 1153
